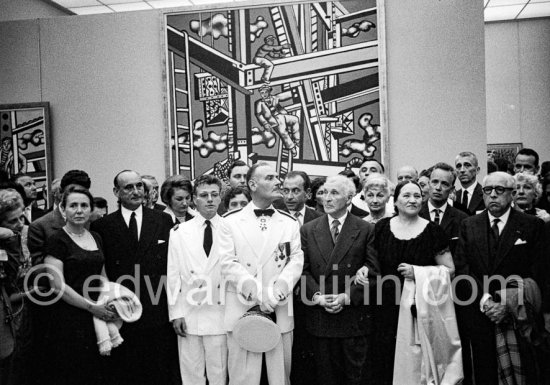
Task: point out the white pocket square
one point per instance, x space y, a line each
520 242
161 241
454 238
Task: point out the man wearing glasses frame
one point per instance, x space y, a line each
500 242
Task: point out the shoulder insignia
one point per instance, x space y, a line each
286 214
231 212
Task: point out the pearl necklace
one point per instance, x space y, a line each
75 234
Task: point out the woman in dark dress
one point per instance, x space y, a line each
75 260
402 241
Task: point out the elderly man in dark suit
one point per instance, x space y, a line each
296 191
469 198
135 244
493 246
335 247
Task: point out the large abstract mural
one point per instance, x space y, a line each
25 146
298 85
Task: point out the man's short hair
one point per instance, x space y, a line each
427 172
100 202
510 181
237 163
345 182
252 170
78 177
206 179
373 160
529 152
148 177
300 174
468 154
115 180
353 177
445 167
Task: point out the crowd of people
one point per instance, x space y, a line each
428 277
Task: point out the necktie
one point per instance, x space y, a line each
266 212
436 216
298 216
207 241
495 230
334 230
465 198
133 226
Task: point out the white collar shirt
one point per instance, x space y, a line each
126 214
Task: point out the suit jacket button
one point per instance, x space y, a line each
219 303
349 264
248 264
218 286
192 272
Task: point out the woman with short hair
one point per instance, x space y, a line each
177 193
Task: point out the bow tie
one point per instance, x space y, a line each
266 212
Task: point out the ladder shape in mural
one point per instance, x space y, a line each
281 30
183 120
284 160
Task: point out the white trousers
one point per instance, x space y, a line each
198 354
245 368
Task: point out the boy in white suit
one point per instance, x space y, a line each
261 261
195 305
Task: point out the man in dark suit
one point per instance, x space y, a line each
493 246
151 182
135 244
296 191
336 246
469 198
437 209
32 211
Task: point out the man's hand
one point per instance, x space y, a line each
180 327
362 276
495 311
249 290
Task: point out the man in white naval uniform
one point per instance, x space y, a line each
195 306
261 261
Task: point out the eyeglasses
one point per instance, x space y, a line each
487 190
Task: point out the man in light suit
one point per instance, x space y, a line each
262 260
135 245
469 198
336 246
500 242
194 301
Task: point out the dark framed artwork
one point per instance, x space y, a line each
299 85
25 144
506 151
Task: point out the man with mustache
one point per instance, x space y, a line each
261 261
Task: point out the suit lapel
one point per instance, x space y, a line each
324 238
424 212
276 228
250 230
507 238
447 218
481 236
344 241
148 231
477 197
